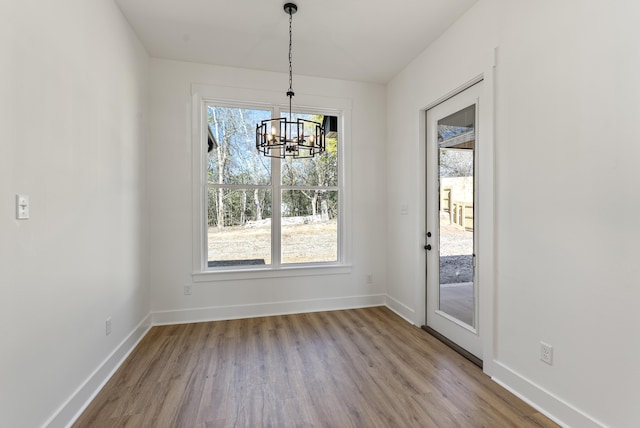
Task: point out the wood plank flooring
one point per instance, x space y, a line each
352 368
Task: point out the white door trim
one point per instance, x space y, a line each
487 230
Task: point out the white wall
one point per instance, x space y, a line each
73 82
72 126
170 191
566 263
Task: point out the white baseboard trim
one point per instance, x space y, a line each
67 414
401 309
218 313
542 400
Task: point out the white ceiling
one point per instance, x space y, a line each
362 40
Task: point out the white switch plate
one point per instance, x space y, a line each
22 207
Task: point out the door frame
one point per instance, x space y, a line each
486 217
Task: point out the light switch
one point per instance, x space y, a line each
22 207
404 209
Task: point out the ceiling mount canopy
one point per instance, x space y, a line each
290 8
285 137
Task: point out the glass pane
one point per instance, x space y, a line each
309 226
456 141
318 171
239 231
233 158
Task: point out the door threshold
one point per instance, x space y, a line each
459 349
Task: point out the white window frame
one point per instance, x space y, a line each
203 95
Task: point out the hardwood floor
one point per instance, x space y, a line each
352 368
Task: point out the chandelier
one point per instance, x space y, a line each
284 136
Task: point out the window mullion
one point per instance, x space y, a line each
336 188
276 208
238 186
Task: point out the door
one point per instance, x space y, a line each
452 220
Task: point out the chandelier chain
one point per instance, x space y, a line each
290 93
290 55
279 137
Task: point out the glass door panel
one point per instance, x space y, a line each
456 144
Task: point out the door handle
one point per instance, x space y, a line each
427 246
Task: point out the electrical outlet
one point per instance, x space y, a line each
107 327
369 279
188 290
546 353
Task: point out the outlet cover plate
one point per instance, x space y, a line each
546 353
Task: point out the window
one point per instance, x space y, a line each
239 192
267 213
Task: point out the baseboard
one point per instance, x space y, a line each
217 313
542 400
400 309
66 415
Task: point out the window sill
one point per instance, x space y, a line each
267 273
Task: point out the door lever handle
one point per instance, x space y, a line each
427 247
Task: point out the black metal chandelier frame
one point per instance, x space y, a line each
285 137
